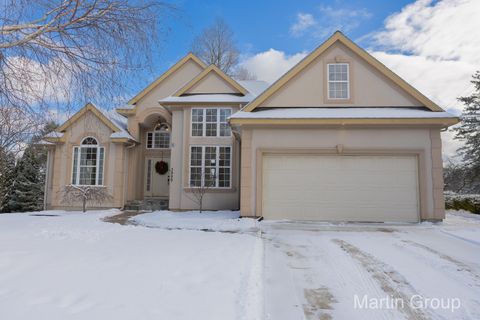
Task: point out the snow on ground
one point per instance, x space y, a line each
76 266
316 270
227 221
58 265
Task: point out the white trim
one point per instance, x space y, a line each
204 122
97 165
338 81
217 165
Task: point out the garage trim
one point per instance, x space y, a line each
339 151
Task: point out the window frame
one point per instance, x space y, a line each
204 122
77 169
338 81
217 166
153 139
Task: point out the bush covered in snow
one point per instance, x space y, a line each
468 202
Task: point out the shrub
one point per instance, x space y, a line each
468 202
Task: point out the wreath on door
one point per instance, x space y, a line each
161 167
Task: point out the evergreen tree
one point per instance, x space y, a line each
469 132
7 176
26 193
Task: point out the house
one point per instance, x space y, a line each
338 137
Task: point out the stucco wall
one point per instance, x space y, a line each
368 87
87 125
180 196
212 83
254 139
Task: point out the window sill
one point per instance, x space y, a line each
212 190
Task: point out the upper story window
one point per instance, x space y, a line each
338 81
88 160
211 122
159 138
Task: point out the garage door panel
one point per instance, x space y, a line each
351 188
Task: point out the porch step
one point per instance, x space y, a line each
152 204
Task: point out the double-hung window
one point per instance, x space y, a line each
210 166
338 81
88 161
211 122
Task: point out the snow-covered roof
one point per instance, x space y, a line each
54 134
339 113
119 121
253 87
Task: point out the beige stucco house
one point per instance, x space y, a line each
338 137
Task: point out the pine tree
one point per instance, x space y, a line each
7 176
469 132
26 193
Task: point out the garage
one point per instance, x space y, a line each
340 187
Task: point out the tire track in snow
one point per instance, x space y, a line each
391 282
458 264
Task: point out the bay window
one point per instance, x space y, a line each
87 163
210 166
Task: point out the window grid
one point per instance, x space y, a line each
338 81
88 163
210 166
210 122
158 140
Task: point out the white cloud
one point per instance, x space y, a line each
270 65
304 22
327 19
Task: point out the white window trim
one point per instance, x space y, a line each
77 180
338 81
204 122
217 165
153 140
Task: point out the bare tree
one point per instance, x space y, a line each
56 52
215 45
198 193
242 73
17 126
85 194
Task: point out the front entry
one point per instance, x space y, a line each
156 179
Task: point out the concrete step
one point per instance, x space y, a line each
152 204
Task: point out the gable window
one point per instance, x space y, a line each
211 122
210 166
338 81
87 163
159 138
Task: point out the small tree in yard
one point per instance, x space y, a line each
85 194
198 193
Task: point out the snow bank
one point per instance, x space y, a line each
225 221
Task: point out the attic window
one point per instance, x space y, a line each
338 81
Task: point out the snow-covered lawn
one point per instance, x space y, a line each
75 266
163 266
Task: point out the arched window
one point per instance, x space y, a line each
88 160
159 138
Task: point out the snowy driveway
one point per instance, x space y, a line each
318 271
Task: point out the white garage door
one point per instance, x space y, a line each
340 188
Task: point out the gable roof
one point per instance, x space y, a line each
166 74
338 36
203 74
113 120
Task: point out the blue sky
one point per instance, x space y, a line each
257 28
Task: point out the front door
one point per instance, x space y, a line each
156 183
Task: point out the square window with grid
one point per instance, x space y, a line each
338 81
210 122
210 166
